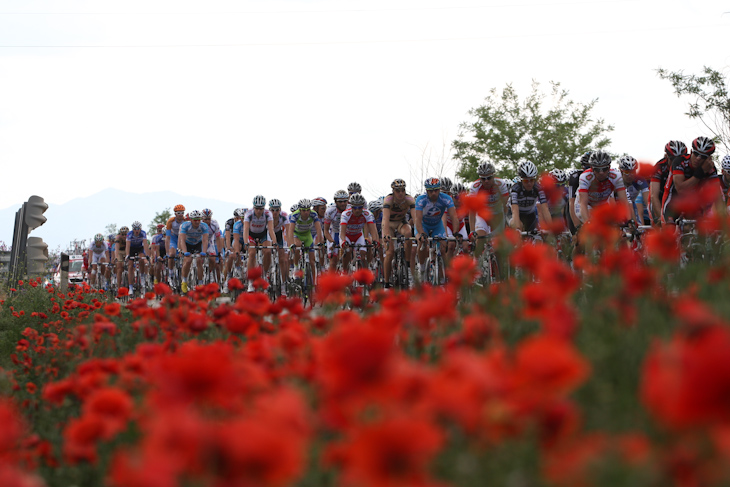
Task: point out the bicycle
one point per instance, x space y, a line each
487 264
303 283
433 270
400 272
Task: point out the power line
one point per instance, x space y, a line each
247 12
359 42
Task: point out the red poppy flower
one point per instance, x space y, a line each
123 291
462 271
662 244
235 284
112 309
254 273
476 203
547 366
330 284
364 276
392 452
111 404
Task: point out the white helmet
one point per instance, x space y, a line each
559 175
259 201
527 170
627 163
726 163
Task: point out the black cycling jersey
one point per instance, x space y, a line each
526 200
573 183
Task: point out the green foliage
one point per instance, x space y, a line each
160 217
111 229
549 130
710 105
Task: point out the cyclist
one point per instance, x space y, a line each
172 229
258 228
300 229
573 183
690 176
397 207
598 184
158 252
215 243
231 257
725 179
673 150
357 227
194 238
558 206
353 188
319 207
98 251
429 213
137 244
281 225
459 230
635 187
120 250
497 193
332 227
528 200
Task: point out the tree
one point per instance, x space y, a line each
711 104
508 131
160 217
436 162
111 229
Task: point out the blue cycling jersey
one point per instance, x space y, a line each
136 241
434 210
194 235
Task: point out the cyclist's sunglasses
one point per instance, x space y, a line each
601 169
702 157
357 207
179 212
489 178
305 209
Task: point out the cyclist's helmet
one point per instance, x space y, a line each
486 169
726 163
319 201
196 215
304 204
703 146
354 188
585 160
432 183
356 199
341 195
559 175
398 184
516 179
274 204
600 159
375 205
123 230
98 237
179 208
207 213
136 225
527 169
675 148
294 207
160 226
458 188
446 185
239 212
627 163
259 201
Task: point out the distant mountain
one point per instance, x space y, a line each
82 218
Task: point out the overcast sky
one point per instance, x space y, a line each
294 99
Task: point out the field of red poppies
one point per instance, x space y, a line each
617 373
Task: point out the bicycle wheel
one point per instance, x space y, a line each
308 283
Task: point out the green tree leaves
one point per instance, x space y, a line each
548 129
710 105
